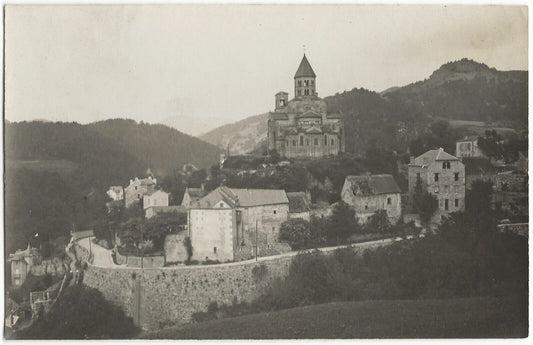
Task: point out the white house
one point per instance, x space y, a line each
116 193
155 198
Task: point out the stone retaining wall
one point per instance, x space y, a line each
156 297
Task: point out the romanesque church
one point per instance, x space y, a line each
302 127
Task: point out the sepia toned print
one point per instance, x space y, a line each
171 172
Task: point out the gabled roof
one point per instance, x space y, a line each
82 234
21 254
282 93
432 156
146 182
305 69
334 116
242 197
298 202
365 185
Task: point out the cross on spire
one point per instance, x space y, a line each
304 48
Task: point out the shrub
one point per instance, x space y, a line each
81 313
188 246
296 232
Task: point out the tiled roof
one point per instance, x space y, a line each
432 156
298 202
243 197
305 69
364 185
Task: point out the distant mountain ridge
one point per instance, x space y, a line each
458 90
240 137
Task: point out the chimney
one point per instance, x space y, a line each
131 181
412 160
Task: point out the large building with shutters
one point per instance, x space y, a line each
303 127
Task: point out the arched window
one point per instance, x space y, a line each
316 141
301 141
325 140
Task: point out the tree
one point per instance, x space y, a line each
491 144
424 202
342 223
296 232
379 222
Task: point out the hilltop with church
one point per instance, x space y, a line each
302 127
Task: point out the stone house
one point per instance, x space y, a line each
21 263
299 205
155 197
116 193
367 194
468 147
442 175
135 191
303 127
236 224
192 195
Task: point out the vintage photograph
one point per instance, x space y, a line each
289 171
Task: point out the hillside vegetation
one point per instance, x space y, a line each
57 173
462 90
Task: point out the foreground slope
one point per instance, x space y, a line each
480 317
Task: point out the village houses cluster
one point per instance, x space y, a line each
232 224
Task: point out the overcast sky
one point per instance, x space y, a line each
221 63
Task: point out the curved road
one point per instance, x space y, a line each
101 256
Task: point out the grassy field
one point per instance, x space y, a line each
445 318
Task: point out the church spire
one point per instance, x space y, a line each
304 80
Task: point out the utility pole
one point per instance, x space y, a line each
256 240
142 251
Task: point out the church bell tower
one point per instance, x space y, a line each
304 80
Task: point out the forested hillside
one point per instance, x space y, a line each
57 173
460 90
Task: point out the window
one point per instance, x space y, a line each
221 204
446 204
436 177
274 211
301 141
299 92
417 176
135 187
332 142
215 250
316 141
389 201
307 142
325 140
306 92
294 143
456 202
307 83
445 165
366 207
138 196
456 176
437 190
299 83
